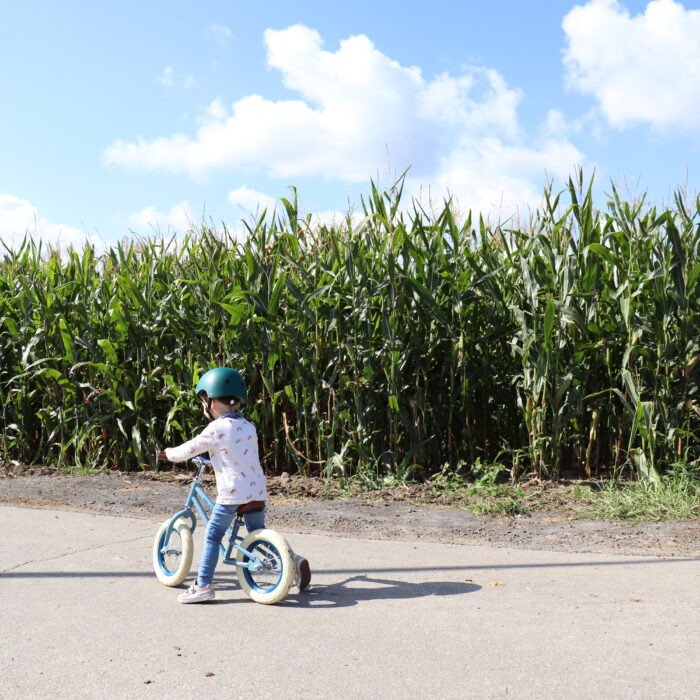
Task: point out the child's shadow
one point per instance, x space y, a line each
342 595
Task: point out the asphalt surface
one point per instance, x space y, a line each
83 616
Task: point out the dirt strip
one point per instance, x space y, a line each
298 505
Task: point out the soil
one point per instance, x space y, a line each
315 506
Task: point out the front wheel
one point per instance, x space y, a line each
172 559
272 581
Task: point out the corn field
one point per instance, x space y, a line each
392 344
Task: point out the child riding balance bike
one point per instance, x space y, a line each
232 444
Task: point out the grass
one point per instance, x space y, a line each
502 502
671 499
482 494
676 496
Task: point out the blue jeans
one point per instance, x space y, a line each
221 517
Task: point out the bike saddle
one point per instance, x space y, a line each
252 507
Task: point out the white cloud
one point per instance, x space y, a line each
167 77
149 220
250 201
218 33
644 68
492 177
20 219
359 111
215 112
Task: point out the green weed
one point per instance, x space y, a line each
676 496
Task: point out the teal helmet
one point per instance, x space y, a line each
221 382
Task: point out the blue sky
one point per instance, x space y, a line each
131 117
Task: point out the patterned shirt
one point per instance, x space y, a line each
232 443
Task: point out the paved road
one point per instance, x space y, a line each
83 616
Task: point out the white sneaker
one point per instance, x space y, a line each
303 572
197 594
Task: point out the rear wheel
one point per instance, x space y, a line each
172 559
272 581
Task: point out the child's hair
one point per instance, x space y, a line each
229 400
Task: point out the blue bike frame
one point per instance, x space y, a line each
202 503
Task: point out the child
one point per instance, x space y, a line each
232 444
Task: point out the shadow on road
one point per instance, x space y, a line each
357 589
13 573
524 565
350 591
76 574
362 588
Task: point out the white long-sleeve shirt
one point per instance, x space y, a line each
232 444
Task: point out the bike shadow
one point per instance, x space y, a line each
368 588
345 594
